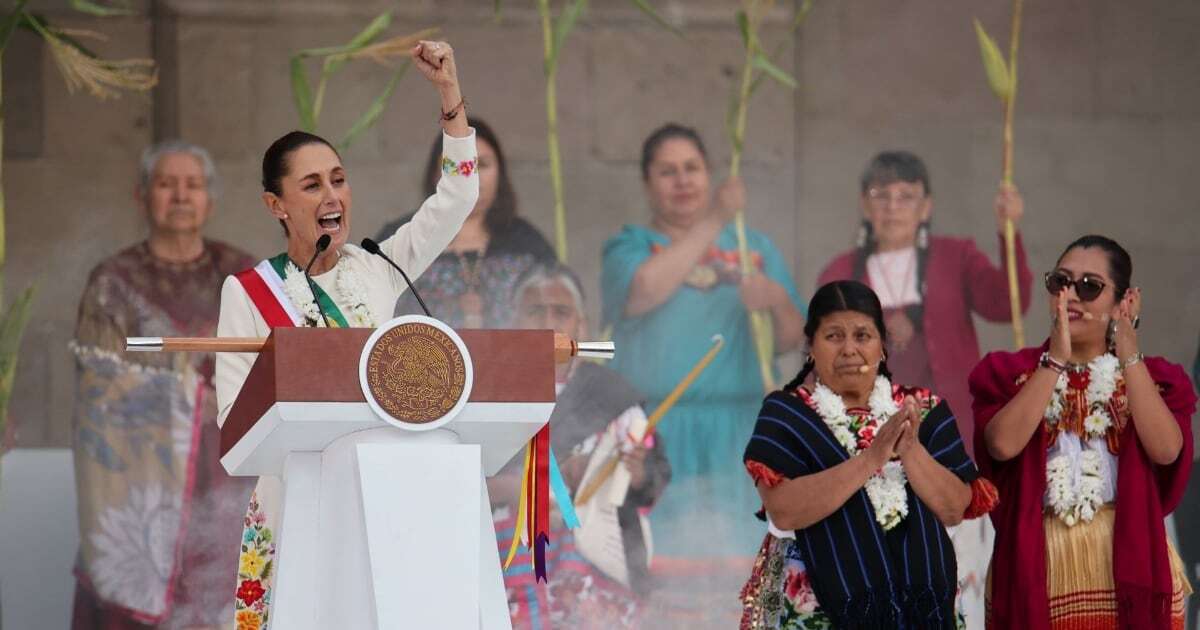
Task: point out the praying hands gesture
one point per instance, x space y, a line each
893 437
908 440
940 489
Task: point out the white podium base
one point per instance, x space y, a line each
388 529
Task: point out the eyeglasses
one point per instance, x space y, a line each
880 197
1087 288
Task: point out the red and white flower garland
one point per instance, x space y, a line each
1075 501
886 488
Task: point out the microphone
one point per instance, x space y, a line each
373 248
322 245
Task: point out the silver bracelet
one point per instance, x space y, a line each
1132 361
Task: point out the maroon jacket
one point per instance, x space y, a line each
959 279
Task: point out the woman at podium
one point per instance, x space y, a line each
306 188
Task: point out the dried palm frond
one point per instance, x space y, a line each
102 78
388 51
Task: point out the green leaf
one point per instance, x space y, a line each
496 10
12 327
10 23
654 15
801 15
993 62
371 116
743 22
100 10
775 72
302 93
731 121
363 39
562 28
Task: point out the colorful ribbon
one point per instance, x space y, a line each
541 475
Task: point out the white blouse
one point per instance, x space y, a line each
893 275
1071 445
414 246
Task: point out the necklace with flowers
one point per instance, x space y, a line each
886 488
350 289
1074 501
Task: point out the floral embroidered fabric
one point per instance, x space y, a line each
255 570
464 168
779 594
717 266
442 285
153 500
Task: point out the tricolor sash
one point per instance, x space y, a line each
264 283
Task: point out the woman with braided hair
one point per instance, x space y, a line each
859 478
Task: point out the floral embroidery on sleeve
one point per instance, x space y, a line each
464 168
763 474
253 598
984 498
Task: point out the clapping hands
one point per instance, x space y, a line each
897 437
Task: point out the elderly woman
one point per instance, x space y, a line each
667 289
307 189
859 478
599 573
144 438
470 285
1090 443
929 285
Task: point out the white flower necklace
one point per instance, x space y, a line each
350 288
1078 501
886 488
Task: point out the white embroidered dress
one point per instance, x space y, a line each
414 246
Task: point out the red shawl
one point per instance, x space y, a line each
1145 494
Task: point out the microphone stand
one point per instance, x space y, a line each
322 245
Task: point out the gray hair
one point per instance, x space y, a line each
545 274
156 152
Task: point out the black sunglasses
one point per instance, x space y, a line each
1087 288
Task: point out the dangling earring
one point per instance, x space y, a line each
923 235
864 234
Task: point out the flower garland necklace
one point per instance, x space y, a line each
1078 501
350 288
886 488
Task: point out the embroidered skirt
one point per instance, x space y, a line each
1079 575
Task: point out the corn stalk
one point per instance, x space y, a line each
365 45
756 65
554 35
1002 78
80 68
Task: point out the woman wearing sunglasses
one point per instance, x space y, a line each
1090 445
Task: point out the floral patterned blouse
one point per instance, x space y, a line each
491 273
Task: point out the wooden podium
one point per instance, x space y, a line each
385 527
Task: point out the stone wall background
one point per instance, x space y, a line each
1108 121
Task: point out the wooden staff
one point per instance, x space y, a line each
1002 77
1010 248
760 323
564 346
656 416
